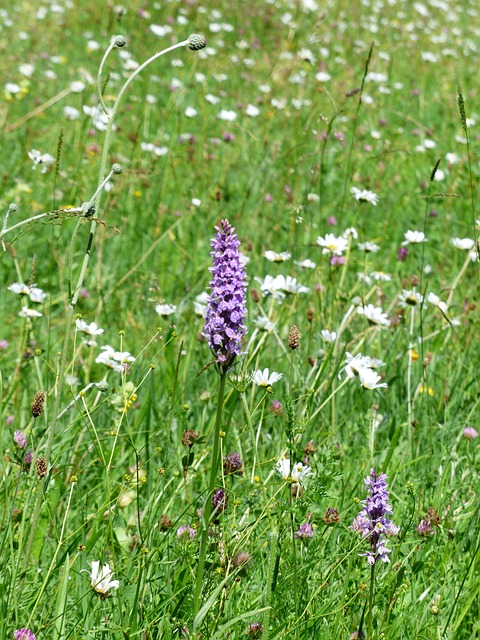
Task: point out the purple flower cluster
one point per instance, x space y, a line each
372 521
305 531
24 634
224 324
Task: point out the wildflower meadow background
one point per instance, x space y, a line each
239 320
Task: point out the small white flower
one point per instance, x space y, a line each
452 158
70 113
264 324
100 579
290 285
380 275
364 196
432 298
273 256
29 313
323 76
200 304
115 360
369 379
196 202
368 247
374 315
465 244
283 467
300 471
91 329
19 288
305 264
355 364
37 295
165 309
313 197
227 116
252 111
414 237
328 336
265 378
410 298
44 159
332 245
190 112
351 231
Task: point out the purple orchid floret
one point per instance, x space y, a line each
226 310
372 521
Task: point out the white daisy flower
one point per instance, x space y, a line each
165 309
374 315
363 195
414 237
101 579
265 378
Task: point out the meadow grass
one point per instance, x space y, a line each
288 107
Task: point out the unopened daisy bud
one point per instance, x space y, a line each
102 385
293 337
117 168
41 466
12 207
38 403
196 42
88 209
119 41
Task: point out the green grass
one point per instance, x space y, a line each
120 483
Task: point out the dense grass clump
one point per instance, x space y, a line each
240 329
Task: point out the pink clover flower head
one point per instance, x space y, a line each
20 439
305 531
186 532
470 433
226 310
24 634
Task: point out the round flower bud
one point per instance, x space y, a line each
120 41
117 168
102 385
196 42
12 207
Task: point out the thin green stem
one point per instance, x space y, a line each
208 503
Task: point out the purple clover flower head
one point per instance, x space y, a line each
186 532
232 464
305 531
402 254
372 521
470 433
425 528
226 310
24 634
219 501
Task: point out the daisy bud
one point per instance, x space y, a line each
120 41
117 168
12 208
38 403
196 42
